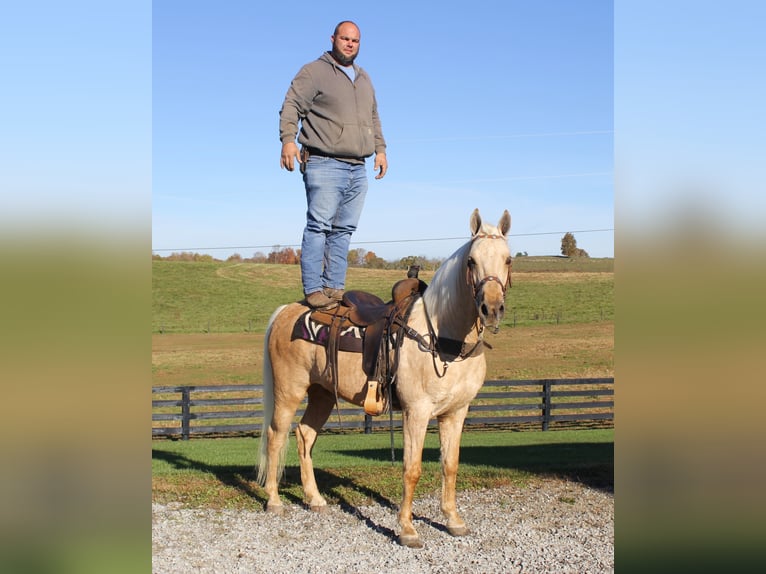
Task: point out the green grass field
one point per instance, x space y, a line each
356 469
220 297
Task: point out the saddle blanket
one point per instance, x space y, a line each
306 329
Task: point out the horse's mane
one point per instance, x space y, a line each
448 286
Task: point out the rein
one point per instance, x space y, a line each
436 345
439 346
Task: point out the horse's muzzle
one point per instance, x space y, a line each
490 304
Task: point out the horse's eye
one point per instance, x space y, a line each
508 261
471 262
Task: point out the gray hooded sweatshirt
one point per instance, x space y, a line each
337 117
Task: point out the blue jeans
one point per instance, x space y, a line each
335 192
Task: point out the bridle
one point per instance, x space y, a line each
477 287
437 345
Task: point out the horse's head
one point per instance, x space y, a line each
488 268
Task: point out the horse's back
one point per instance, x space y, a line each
284 349
300 363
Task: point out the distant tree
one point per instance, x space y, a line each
356 257
258 257
568 244
272 256
235 258
290 257
374 262
189 256
569 247
520 254
285 256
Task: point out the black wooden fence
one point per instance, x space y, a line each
187 411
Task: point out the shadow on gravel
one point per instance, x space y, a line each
241 477
590 464
333 486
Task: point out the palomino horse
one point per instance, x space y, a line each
466 294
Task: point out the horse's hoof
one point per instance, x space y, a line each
319 509
458 530
275 509
410 541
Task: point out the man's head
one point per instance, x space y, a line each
345 42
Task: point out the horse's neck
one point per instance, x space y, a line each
449 304
452 328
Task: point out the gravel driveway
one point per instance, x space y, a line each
550 526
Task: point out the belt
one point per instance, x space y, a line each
314 151
309 151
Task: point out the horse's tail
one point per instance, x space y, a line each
268 408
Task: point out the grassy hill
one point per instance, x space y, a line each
223 297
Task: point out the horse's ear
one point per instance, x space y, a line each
475 222
505 223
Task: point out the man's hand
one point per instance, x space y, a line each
381 163
289 154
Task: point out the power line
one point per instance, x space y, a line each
507 136
380 242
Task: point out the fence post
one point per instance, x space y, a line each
367 424
546 403
185 412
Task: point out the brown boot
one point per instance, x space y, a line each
318 300
334 294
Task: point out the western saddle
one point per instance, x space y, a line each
380 323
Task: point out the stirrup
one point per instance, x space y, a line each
373 405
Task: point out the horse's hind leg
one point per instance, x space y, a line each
318 410
450 430
278 430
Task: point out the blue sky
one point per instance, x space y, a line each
75 119
158 121
690 117
504 107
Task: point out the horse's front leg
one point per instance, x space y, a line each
414 434
450 431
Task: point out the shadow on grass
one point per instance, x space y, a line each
242 478
590 464
239 477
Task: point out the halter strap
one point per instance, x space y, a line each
487 236
487 279
469 276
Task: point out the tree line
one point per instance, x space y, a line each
356 257
289 256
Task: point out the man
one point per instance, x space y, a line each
334 101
